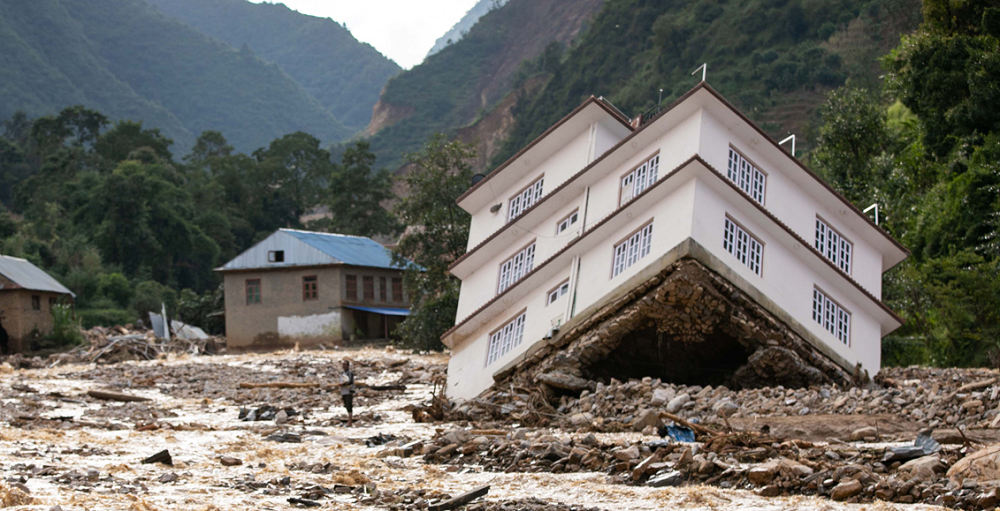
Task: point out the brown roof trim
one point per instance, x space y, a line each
591 100
570 180
801 165
306 267
672 173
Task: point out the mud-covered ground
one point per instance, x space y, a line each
61 447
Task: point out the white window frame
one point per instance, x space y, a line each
561 290
743 246
744 174
516 267
506 338
524 199
831 316
565 223
833 245
635 246
638 179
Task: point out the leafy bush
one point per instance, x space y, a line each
65 330
150 296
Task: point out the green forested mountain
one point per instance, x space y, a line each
345 75
458 30
774 58
451 88
129 61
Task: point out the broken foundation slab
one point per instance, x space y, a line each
682 321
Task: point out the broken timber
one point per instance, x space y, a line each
460 500
310 385
115 396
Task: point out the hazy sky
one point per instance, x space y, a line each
403 30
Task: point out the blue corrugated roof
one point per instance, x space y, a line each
354 250
385 311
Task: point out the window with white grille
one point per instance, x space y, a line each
833 246
558 292
639 179
831 316
565 223
513 269
746 176
632 249
505 339
743 245
524 200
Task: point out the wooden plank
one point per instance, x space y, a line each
115 396
460 500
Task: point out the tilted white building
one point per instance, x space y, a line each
598 202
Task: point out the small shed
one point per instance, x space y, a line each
312 287
27 296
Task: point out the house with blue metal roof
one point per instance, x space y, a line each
310 288
27 295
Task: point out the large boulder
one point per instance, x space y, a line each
924 469
561 380
982 465
678 402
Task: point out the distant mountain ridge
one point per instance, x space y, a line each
131 60
345 75
458 31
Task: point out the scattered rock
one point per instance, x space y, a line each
846 490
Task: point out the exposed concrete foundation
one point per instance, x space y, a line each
685 324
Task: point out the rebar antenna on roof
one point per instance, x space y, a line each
704 70
792 138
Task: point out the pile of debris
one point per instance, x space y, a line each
106 345
937 397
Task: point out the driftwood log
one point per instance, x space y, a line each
460 500
115 396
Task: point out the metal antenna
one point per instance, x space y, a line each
875 207
792 138
704 70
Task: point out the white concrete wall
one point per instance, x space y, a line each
468 374
556 169
326 325
787 201
481 286
786 277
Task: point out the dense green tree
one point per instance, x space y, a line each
356 196
118 143
297 167
210 144
437 234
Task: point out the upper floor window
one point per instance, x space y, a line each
632 249
505 338
743 245
310 288
558 292
397 289
253 291
369 288
833 246
565 223
352 287
382 291
524 200
36 303
748 177
276 256
515 268
639 179
832 316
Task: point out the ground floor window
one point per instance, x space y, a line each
832 316
253 291
505 339
310 288
397 289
